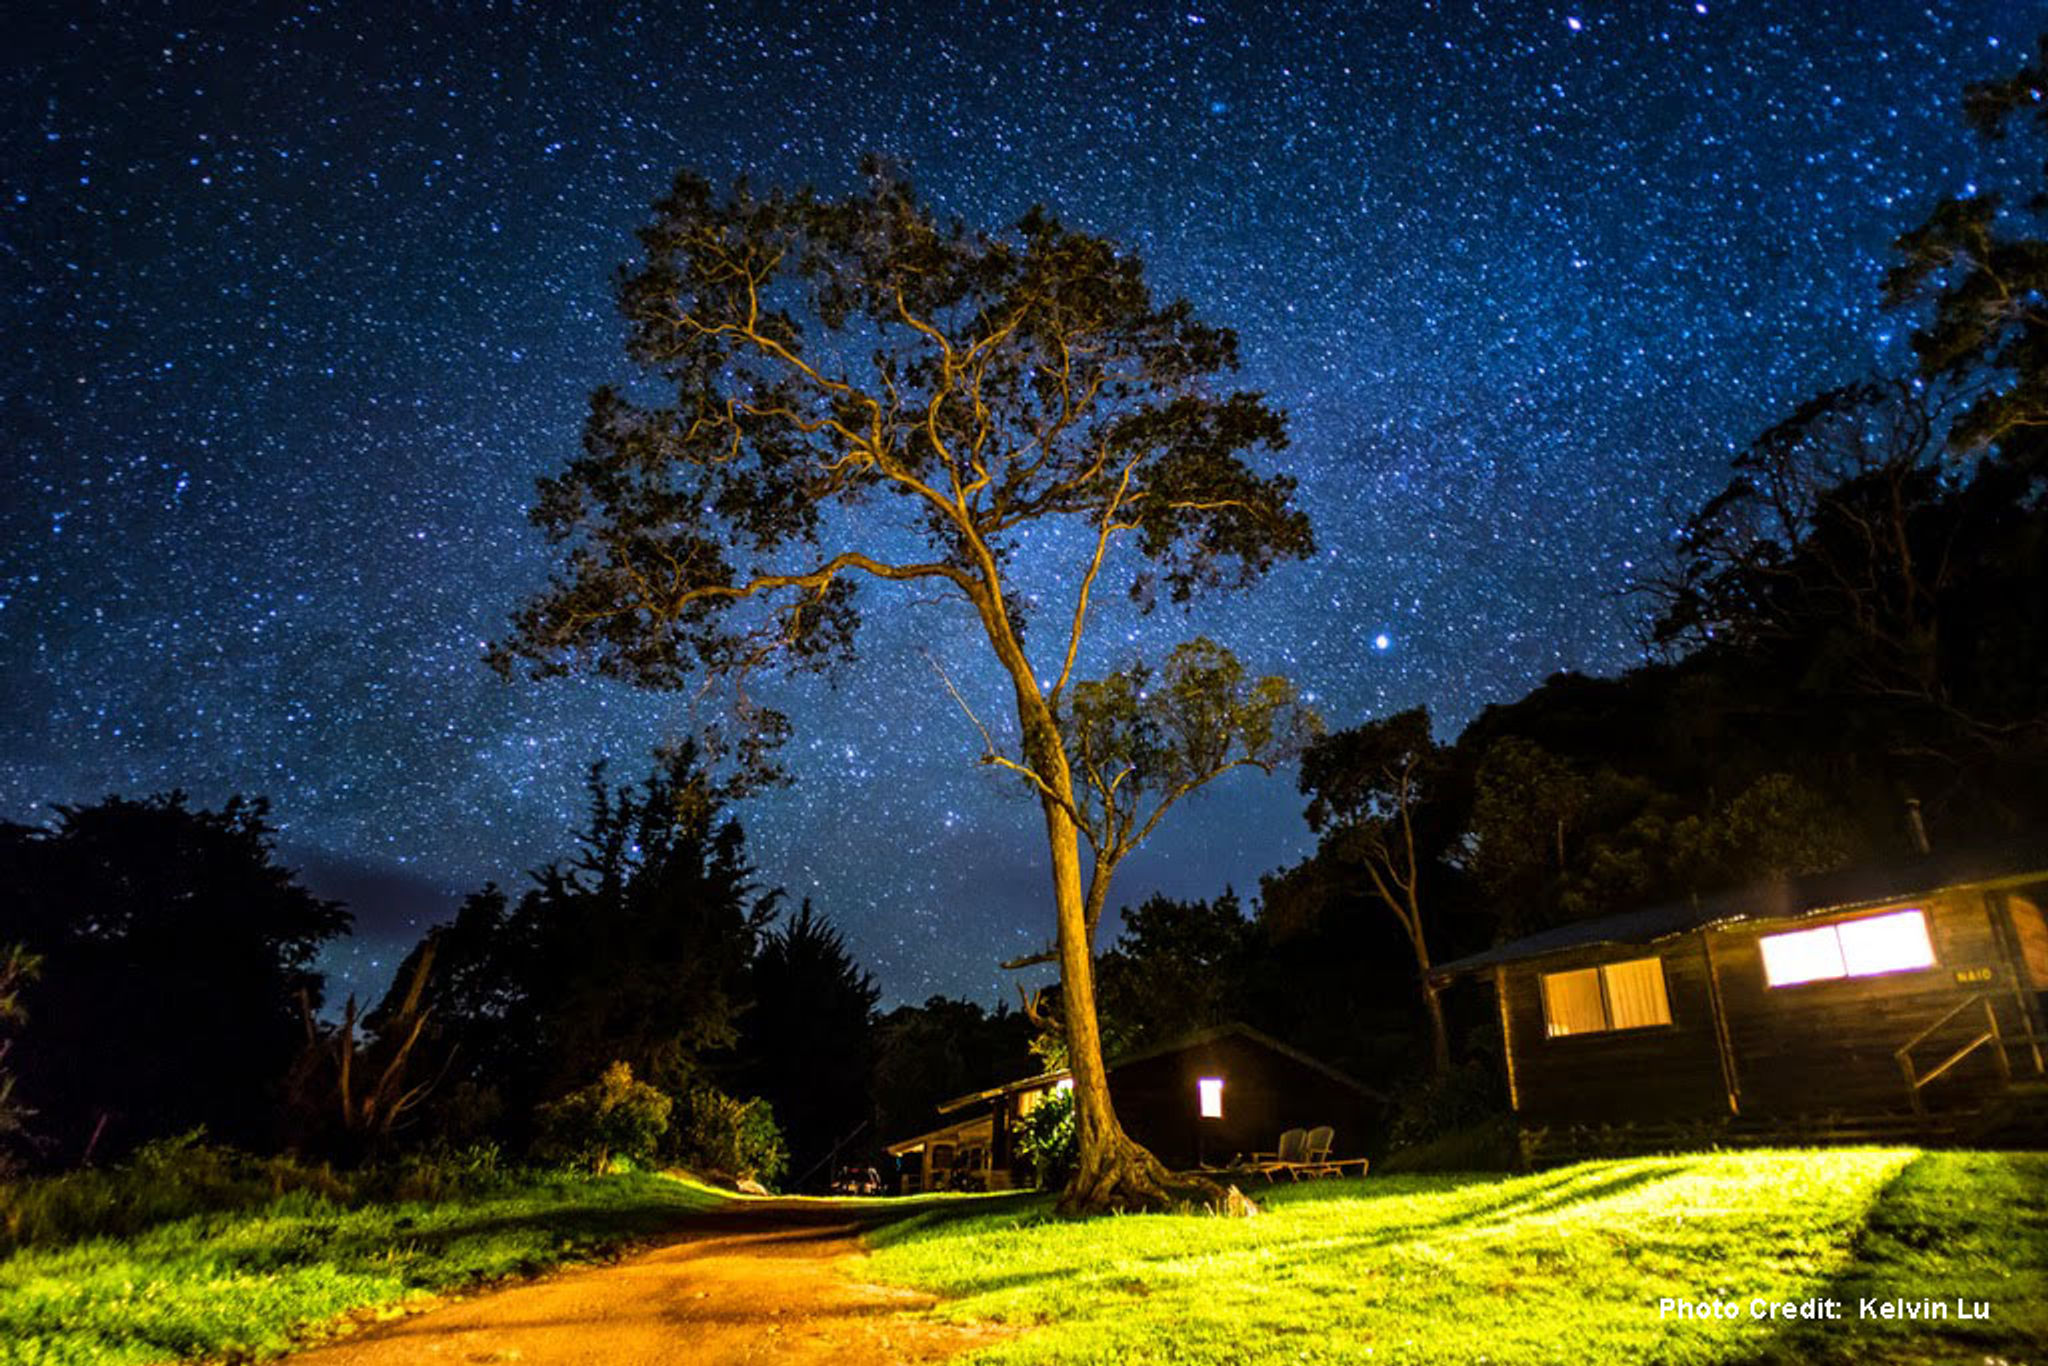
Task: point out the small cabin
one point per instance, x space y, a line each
1862 1004
1199 1100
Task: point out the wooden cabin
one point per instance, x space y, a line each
1201 1099
1869 1003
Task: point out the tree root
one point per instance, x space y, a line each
1127 1179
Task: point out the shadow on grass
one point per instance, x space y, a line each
1531 1196
1497 1215
892 1227
1952 1233
1540 1195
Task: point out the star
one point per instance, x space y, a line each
300 304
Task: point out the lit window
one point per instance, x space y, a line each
1571 1002
1635 994
1895 942
1612 996
1063 1084
1807 956
1211 1089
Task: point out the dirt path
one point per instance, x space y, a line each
768 1282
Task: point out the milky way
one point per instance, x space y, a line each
299 303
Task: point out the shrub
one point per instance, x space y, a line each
614 1116
1048 1140
440 1172
171 1178
1461 1099
730 1137
1488 1146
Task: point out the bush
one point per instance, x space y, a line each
614 1116
729 1137
1463 1098
1048 1140
177 1178
1488 1146
171 1178
439 1172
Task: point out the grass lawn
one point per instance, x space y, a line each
255 1282
1565 1266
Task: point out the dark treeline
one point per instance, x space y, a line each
160 981
1851 644
1854 663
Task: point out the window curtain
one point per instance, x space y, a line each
1571 1003
1635 994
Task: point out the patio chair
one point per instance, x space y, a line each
1287 1157
1319 1140
1318 1162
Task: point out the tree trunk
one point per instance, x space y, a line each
1439 1037
1113 1173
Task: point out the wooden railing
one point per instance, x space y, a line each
1917 1080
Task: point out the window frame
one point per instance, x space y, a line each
1932 964
1670 1021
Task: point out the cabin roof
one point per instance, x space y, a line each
1245 1031
980 1127
1790 898
1007 1088
1194 1040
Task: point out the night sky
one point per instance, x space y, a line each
298 303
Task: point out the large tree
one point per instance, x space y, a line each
635 949
1380 797
175 953
844 394
1982 263
1882 548
807 1044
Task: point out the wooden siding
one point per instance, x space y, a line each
1738 1046
2030 929
1665 1071
1264 1092
1831 1045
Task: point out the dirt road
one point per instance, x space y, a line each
768 1282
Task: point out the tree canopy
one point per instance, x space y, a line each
174 952
833 369
835 393
635 949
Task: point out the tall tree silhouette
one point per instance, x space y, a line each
175 951
859 395
635 949
808 1040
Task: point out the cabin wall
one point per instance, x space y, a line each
2030 934
1818 1048
1263 1093
1831 1046
1660 1073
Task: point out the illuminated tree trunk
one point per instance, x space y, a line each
1114 1172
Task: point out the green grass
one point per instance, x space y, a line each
257 1282
1563 1266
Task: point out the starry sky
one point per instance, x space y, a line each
300 300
